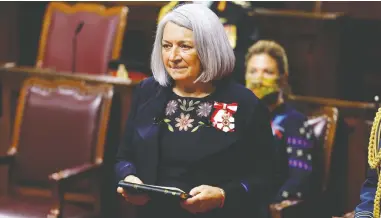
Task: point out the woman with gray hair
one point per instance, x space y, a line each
192 127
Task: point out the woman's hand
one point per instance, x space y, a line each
205 198
140 199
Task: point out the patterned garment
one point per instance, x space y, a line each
187 114
293 136
185 121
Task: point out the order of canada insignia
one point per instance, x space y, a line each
222 118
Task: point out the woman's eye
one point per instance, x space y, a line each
269 73
185 46
253 72
166 46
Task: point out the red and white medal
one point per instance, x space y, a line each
222 118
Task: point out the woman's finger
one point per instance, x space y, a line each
120 190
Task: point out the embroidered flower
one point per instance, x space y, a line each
171 108
183 123
204 109
183 105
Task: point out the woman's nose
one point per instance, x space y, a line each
174 55
259 75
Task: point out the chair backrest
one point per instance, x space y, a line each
97 42
323 121
59 124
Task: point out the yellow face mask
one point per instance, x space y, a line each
263 87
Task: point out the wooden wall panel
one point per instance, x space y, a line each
360 71
31 18
356 9
9 24
312 45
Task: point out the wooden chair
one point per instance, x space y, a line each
323 121
57 149
99 35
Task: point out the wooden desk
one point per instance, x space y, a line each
11 80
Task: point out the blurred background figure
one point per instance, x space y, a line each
266 76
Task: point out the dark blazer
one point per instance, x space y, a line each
240 162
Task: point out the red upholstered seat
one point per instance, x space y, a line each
98 42
57 149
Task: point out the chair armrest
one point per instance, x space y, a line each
278 210
7 159
61 178
74 173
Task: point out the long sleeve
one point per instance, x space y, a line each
124 159
257 187
299 145
365 208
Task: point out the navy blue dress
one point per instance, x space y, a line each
183 124
184 142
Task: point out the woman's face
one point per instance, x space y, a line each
179 53
262 75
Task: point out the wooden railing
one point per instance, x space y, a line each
296 14
335 102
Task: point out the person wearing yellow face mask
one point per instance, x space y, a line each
267 72
266 75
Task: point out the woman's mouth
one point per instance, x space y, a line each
177 68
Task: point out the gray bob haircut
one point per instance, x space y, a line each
211 42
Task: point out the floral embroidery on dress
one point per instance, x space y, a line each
204 109
200 123
191 105
186 114
170 128
183 123
171 107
